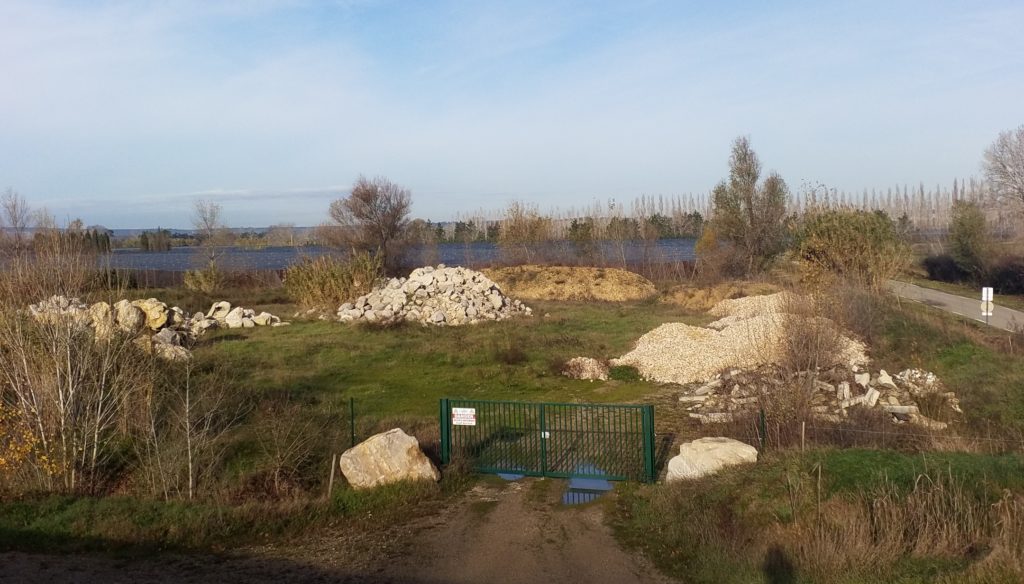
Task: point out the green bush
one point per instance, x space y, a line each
860 246
969 242
327 281
624 373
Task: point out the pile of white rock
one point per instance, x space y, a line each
437 296
171 327
833 393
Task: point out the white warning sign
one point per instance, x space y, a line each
464 416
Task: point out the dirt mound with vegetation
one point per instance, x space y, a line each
703 299
572 283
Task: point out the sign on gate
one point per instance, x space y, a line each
464 416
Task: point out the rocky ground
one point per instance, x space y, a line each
833 393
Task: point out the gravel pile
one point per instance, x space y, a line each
437 296
750 334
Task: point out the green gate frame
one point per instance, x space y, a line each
549 439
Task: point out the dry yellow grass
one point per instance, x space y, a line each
571 283
703 299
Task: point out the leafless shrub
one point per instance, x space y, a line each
373 218
287 438
69 382
180 430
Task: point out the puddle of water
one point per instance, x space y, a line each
585 490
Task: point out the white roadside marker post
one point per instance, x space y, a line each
986 303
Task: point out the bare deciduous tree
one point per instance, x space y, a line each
212 235
16 215
373 217
1004 166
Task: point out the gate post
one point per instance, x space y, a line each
648 428
543 444
445 419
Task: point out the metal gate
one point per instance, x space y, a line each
612 442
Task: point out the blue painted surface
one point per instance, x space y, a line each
585 490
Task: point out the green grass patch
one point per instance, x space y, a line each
129 524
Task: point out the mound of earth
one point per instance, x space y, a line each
752 333
572 283
703 299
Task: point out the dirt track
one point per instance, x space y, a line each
502 533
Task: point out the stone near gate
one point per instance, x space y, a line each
388 457
707 456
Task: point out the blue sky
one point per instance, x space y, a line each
125 113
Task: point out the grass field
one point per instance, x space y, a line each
405 370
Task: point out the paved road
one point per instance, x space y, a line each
1005 318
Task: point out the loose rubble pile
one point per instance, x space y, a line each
438 296
834 392
172 327
750 334
585 368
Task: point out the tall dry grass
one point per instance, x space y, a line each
870 533
327 281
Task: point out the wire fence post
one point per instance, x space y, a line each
763 429
803 429
352 421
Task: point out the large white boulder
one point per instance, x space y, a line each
706 456
385 458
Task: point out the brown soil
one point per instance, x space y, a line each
500 532
702 299
571 283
